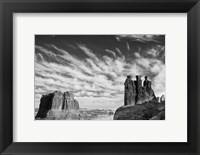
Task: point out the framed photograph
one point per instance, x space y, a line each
106 77
89 77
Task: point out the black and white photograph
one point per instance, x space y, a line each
100 77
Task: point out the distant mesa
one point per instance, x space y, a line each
140 102
58 105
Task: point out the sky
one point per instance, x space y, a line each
94 67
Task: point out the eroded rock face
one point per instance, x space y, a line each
57 101
151 110
69 102
140 102
58 105
129 92
135 93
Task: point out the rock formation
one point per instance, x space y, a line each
162 99
135 93
58 105
140 102
158 99
151 110
129 91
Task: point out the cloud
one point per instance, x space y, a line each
88 52
111 52
73 60
39 57
156 51
159 83
127 45
118 50
137 55
47 52
139 38
93 65
155 69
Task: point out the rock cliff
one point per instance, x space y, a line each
135 93
58 105
140 102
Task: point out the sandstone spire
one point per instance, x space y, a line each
135 93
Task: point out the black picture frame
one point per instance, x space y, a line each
8 7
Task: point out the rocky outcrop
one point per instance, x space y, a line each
129 92
135 93
151 110
140 102
162 99
58 105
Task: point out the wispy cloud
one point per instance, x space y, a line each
140 38
137 55
88 52
111 52
156 51
127 45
